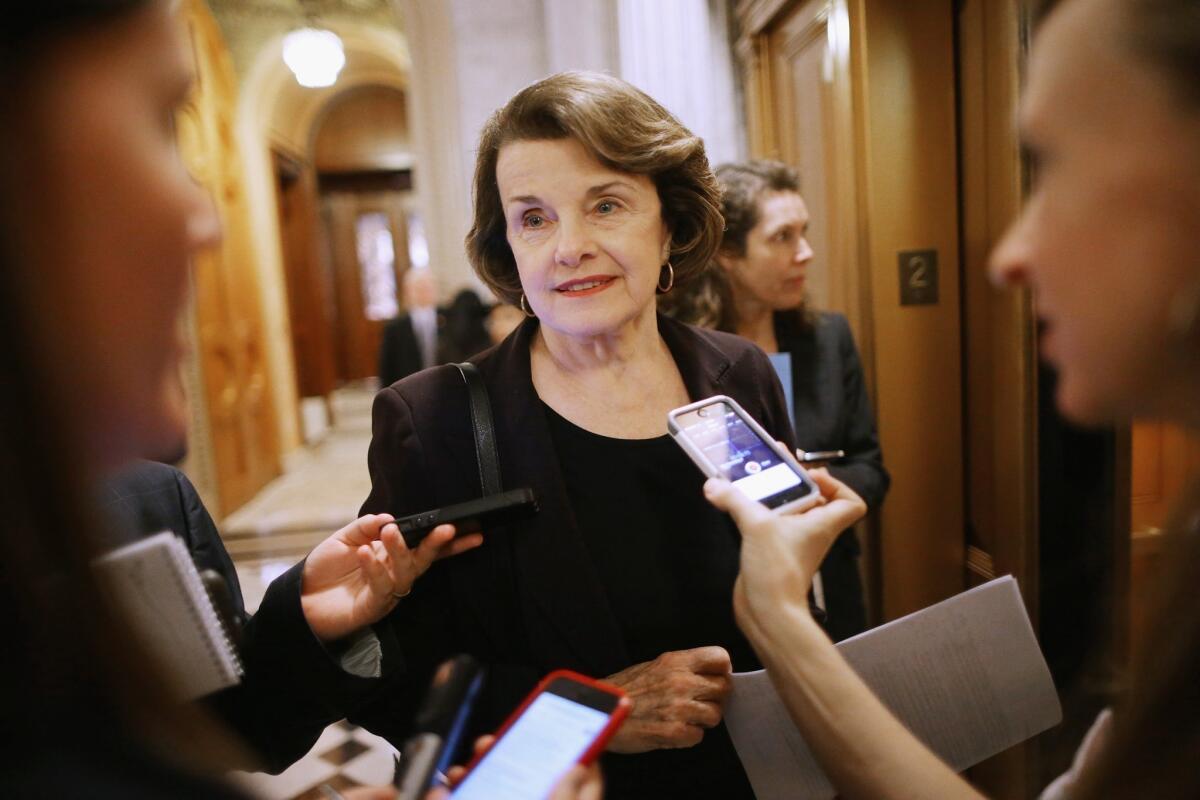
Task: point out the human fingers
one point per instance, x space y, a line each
713 688
842 507
395 548
364 529
580 783
427 551
378 579
481 746
746 513
460 544
831 488
702 714
711 660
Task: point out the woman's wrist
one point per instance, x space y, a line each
776 620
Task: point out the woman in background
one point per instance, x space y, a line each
1107 242
755 287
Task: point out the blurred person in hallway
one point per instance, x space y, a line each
503 319
1107 242
755 287
410 341
464 332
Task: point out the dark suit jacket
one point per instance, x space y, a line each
832 412
292 687
529 600
399 350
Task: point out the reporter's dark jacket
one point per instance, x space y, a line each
833 413
292 687
528 600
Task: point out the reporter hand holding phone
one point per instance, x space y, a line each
358 575
782 552
676 697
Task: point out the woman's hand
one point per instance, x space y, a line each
581 783
357 575
782 552
675 698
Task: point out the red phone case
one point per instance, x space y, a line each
601 740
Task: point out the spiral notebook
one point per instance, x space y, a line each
155 582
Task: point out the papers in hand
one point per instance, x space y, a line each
155 584
965 676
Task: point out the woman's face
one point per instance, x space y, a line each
1108 238
773 269
109 219
589 241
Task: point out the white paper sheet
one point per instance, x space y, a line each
966 676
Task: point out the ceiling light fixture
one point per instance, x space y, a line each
314 56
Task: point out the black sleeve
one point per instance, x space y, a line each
292 687
862 469
204 541
387 355
430 624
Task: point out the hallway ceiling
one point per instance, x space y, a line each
293 8
248 24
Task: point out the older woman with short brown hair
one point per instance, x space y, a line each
591 200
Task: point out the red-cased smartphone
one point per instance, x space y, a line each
566 720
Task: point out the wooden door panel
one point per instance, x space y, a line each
1164 457
237 391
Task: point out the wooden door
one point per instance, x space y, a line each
359 307
236 389
309 288
808 122
859 95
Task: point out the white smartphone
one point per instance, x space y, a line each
726 442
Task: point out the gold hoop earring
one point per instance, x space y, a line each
524 306
670 279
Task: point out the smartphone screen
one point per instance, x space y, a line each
741 456
549 737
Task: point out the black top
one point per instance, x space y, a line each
831 406
667 561
530 599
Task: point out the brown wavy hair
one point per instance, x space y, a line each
708 300
623 128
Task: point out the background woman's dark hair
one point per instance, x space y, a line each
74 681
465 332
626 130
708 301
1156 738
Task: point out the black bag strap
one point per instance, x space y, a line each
485 430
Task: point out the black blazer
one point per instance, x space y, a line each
399 352
527 601
292 687
833 413
831 404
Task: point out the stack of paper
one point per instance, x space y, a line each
966 676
